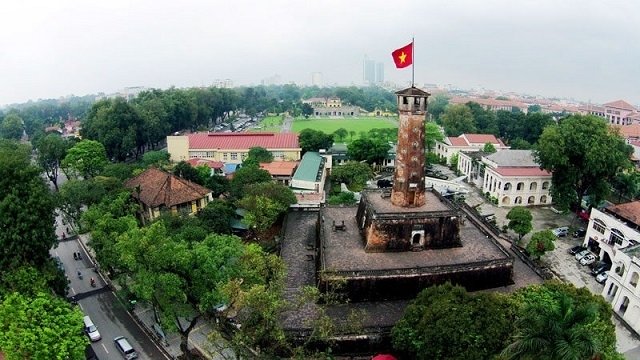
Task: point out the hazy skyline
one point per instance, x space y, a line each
587 50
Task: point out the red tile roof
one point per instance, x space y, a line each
280 168
242 141
457 141
159 188
628 131
629 211
521 171
204 162
481 138
620 104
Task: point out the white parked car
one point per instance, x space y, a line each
582 254
588 259
602 277
561 231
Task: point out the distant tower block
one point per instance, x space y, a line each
408 185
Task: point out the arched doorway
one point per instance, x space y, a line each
531 200
506 200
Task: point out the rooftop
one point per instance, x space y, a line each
155 188
629 211
280 168
243 141
620 104
469 139
513 158
383 205
522 171
205 162
311 167
628 131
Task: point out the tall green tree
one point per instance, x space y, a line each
40 327
354 174
437 105
584 155
51 150
457 120
216 216
627 184
432 133
540 243
307 110
27 209
314 140
341 134
258 155
558 332
246 175
12 127
371 150
488 147
155 158
86 158
446 322
184 170
520 221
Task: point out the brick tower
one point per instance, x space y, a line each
408 185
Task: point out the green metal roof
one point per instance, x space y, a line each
310 168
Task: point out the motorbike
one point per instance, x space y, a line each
93 282
79 274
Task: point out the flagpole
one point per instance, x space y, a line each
413 61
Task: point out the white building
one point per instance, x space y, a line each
511 176
614 235
466 142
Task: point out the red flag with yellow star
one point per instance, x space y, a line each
403 57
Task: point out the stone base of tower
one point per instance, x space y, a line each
390 228
410 199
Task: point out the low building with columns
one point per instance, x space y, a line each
613 235
453 145
511 176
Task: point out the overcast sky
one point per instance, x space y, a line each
589 50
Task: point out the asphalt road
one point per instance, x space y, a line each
107 313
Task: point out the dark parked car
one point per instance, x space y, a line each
579 233
576 249
600 267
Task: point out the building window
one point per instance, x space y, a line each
634 279
545 185
520 186
533 186
234 156
507 186
543 199
518 200
599 226
225 156
616 236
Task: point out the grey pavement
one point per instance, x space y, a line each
286 124
563 265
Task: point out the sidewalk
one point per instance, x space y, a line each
202 338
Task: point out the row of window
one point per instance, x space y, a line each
616 236
518 200
493 185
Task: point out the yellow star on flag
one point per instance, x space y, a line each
402 57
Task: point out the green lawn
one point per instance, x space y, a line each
357 124
270 123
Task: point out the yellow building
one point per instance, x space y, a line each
232 147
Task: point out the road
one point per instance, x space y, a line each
100 303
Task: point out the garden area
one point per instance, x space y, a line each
354 125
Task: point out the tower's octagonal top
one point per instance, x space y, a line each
412 100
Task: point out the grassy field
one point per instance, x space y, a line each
357 124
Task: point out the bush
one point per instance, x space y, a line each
343 198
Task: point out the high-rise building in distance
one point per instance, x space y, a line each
372 71
316 79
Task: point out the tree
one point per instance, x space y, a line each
446 317
258 155
520 221
437 105
534 108
216 217
184 170
51 150
275 191
540 243
432 133
354 174
488 147
457 120
520 144
351 134
246 175
307 110
86 158
557 332
155 158
27 210
12 127
314 140
40 327
485 120
217 184
341 134
584 154
262 212
627 184
371 150
342 198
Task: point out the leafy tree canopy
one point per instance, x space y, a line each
457 120
216 217
371 150
184 170
314 140
86 158
520 221
40 327
250 174
432 133
488 147
11 127
51 150
540 243
155 158
584 155
354 174
258 155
